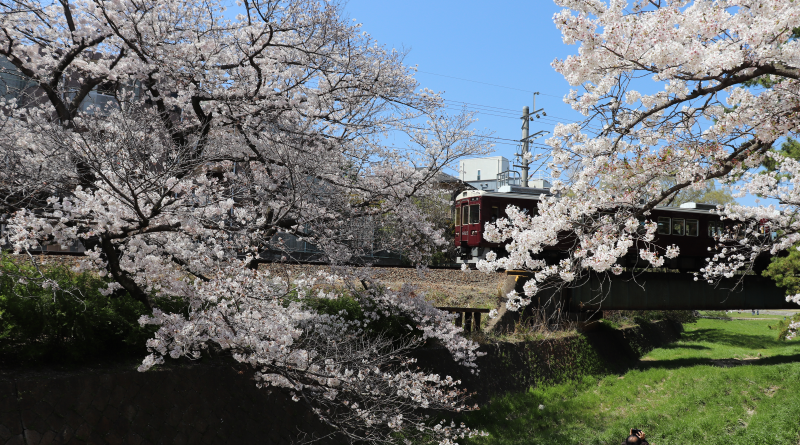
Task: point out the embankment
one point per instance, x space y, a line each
219 403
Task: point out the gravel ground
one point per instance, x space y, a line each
444 287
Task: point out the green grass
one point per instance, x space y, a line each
712 387
749 315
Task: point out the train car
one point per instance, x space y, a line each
691 227
475 208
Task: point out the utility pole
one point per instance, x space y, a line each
524 157
527 117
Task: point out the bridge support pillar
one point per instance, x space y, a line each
545 311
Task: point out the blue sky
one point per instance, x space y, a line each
509 43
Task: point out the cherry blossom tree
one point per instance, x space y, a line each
175 143
358 380
697 91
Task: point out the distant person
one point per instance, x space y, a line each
757 312
752 311
636 438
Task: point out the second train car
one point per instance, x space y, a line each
691 227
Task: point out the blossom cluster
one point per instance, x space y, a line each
792 330
727 78
350 374
171 140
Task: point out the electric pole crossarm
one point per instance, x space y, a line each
538 133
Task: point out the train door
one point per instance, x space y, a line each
457 224
474 227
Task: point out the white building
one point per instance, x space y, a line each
481 173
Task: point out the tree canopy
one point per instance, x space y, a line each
176 144
726 76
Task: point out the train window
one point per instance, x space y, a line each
664 225
474 214
679 226
495 213
714 228
465 214
692 227
458 216
763 230
740 231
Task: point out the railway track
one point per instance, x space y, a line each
444 286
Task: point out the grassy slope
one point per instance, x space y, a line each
691 392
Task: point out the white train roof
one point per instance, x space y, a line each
514 192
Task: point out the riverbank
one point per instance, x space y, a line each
723 382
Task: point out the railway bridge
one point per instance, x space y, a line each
644 291
659 291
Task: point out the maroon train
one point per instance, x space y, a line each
690 227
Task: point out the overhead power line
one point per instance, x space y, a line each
490 107
492 110
486 83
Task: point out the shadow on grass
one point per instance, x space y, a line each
722 363
518 420
723 337
680 346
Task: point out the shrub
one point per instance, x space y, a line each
68 322
720 315
783 326
639 317
391 326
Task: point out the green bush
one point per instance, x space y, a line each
783 326
69 323
639 317
722 315
393 326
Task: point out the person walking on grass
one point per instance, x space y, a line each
635 438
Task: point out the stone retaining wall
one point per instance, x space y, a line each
219 404
189 405
510 367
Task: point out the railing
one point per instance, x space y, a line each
508 177
467 316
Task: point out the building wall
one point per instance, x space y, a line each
488 167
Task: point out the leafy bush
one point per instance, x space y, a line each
67 322
785 270
639 317
392 326
720 315
783 326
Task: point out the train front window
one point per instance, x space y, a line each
458 216
664 224
692 227
465 214
474 214
679 226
